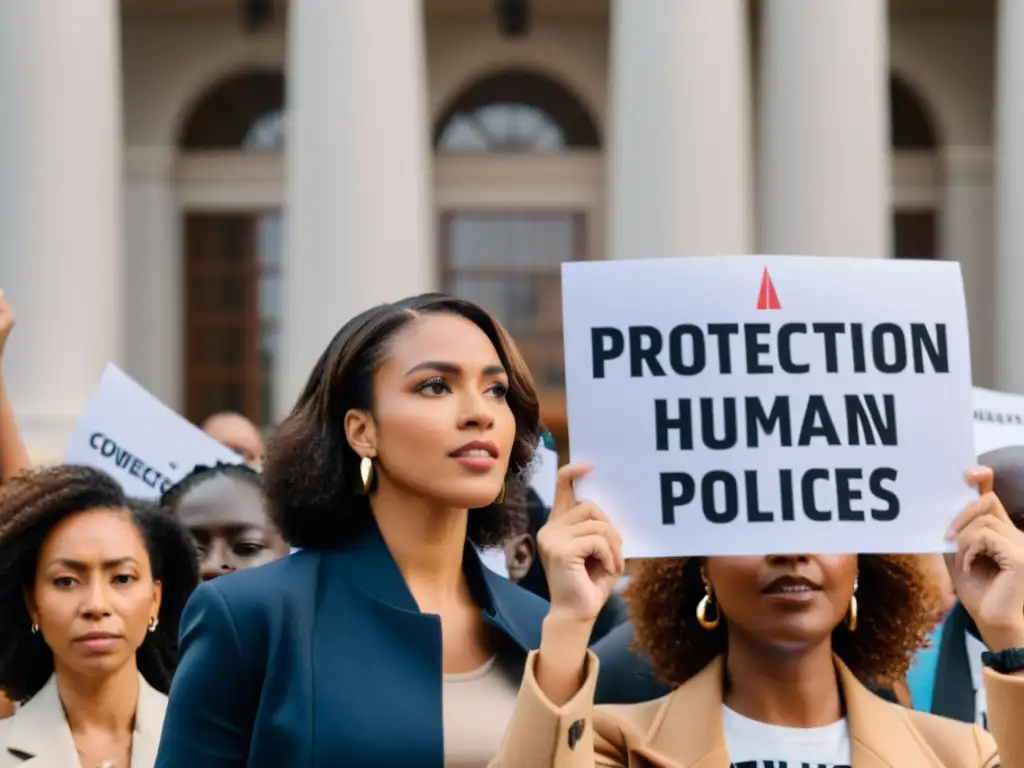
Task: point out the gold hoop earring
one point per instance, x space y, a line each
702 611
851 615
35 628
154 622
366 475
501 494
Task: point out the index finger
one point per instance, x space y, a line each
982 478
565 493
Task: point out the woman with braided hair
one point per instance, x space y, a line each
92 586
224 507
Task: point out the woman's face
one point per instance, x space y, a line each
94 593
443 428
787 601
228 520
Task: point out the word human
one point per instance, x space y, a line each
760 348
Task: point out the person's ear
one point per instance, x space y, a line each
519 554
361 432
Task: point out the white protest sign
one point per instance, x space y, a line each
138 440
998 420
760 405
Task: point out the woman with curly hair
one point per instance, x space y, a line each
766 654
225 509
384 641
92 586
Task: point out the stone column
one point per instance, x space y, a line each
61 211
358 206
824 134
679 140
1009 205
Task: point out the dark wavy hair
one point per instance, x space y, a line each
30 507
201 473
311 474
895 615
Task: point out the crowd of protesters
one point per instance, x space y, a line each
323 602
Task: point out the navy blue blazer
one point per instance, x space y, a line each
323 659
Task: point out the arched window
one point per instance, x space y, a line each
915 232
509 261
234 111
516 111
233 260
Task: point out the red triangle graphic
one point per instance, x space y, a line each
767 298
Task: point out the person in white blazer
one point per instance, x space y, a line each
92 585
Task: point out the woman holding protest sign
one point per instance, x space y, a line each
91 590
384 641
764 653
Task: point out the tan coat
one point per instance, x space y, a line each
684 729
38 736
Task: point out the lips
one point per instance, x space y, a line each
97 637
791 585
478 449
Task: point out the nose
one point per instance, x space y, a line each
96 604
476 412
216 561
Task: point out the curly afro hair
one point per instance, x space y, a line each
311 474
894 618
31 506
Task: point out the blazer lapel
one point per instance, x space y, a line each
688 730
881 736
953 695
39 731
149 721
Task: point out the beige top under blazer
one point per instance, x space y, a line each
38 736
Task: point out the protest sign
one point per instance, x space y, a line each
998 420
760 405
143 444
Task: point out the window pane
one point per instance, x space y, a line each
503 127
527 242
510 263
268 132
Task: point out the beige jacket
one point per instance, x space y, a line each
38 736
684 728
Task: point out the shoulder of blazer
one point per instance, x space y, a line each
257 599
952 741
625 676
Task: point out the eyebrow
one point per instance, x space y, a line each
78 565
452 369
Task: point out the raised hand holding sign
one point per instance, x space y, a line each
987 570
582 556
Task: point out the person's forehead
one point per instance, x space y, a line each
98 532
442 338
222 501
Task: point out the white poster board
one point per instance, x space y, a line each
143 444
759 405
998 420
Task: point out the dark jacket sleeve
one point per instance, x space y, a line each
626 677
215 692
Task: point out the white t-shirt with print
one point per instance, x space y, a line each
758 745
